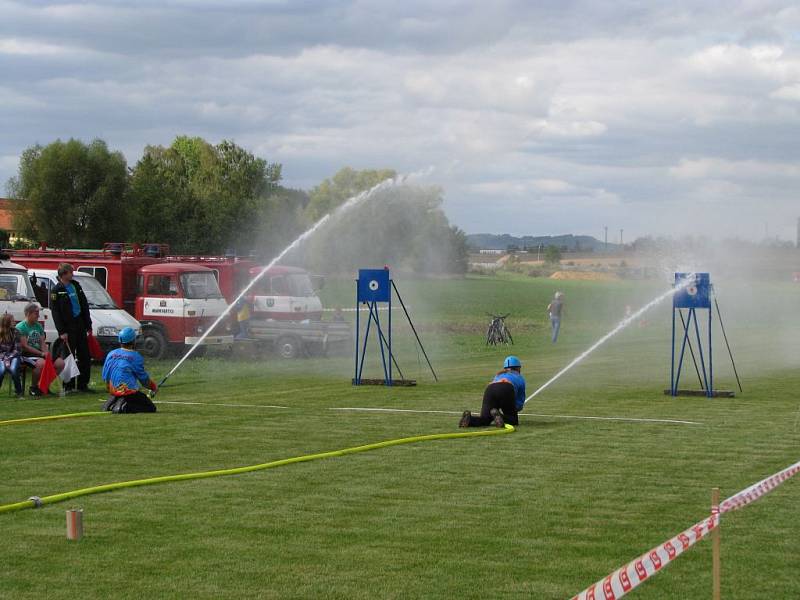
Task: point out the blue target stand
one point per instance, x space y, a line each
694 295
374 290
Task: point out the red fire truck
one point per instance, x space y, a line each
174 302
283 293
286 311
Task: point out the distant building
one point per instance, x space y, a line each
7 217
491 251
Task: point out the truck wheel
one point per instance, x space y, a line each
153 345
288 347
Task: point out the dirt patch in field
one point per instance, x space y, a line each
585 276
474 327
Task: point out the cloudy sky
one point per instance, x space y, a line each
539 117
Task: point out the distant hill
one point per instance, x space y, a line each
571 243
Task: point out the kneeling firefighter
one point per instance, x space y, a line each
123 371
503 398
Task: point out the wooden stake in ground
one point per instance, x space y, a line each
715 540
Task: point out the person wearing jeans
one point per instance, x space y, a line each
10 359
503 398
554 309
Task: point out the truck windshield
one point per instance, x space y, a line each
96 295
300 285
200 285
15 285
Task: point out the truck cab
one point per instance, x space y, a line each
108 319
176 303
284 294
16 292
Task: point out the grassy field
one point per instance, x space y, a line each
540 513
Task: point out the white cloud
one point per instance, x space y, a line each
576 114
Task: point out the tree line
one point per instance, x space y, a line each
202 198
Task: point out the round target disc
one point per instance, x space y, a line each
374 285
692 290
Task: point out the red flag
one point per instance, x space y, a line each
48 374
95 351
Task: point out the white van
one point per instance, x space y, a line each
107 318
16 293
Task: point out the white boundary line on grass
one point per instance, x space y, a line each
218 404
450 412
441 412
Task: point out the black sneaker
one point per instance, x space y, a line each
497 418
35 391
86 390
465 419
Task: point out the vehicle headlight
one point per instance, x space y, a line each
109 331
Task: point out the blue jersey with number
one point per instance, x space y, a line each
518 381
123 371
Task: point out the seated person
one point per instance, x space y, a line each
9 353
123 371
32 344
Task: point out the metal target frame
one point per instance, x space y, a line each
696 296
374 287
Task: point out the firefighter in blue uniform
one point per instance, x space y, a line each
503 398
123 371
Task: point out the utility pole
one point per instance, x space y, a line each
620 238
606 238
798 232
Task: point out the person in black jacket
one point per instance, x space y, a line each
73 322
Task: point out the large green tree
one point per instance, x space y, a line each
401 225
281 218
201 198
71 194
346 183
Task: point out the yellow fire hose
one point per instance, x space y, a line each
36 502
93 413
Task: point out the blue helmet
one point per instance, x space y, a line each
127 335
511 361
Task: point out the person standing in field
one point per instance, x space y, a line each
73 322
555 309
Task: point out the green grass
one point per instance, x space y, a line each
543 512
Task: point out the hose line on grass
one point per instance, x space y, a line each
36 502
93 413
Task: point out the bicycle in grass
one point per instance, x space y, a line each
498 333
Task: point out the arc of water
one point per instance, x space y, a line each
622 325
350 203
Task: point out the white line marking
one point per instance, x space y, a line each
441 412
218 404
451 412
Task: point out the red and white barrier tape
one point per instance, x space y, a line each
628 577
755 491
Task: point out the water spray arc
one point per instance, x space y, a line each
350 203
622 325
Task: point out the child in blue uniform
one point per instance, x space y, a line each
503 398
123 371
